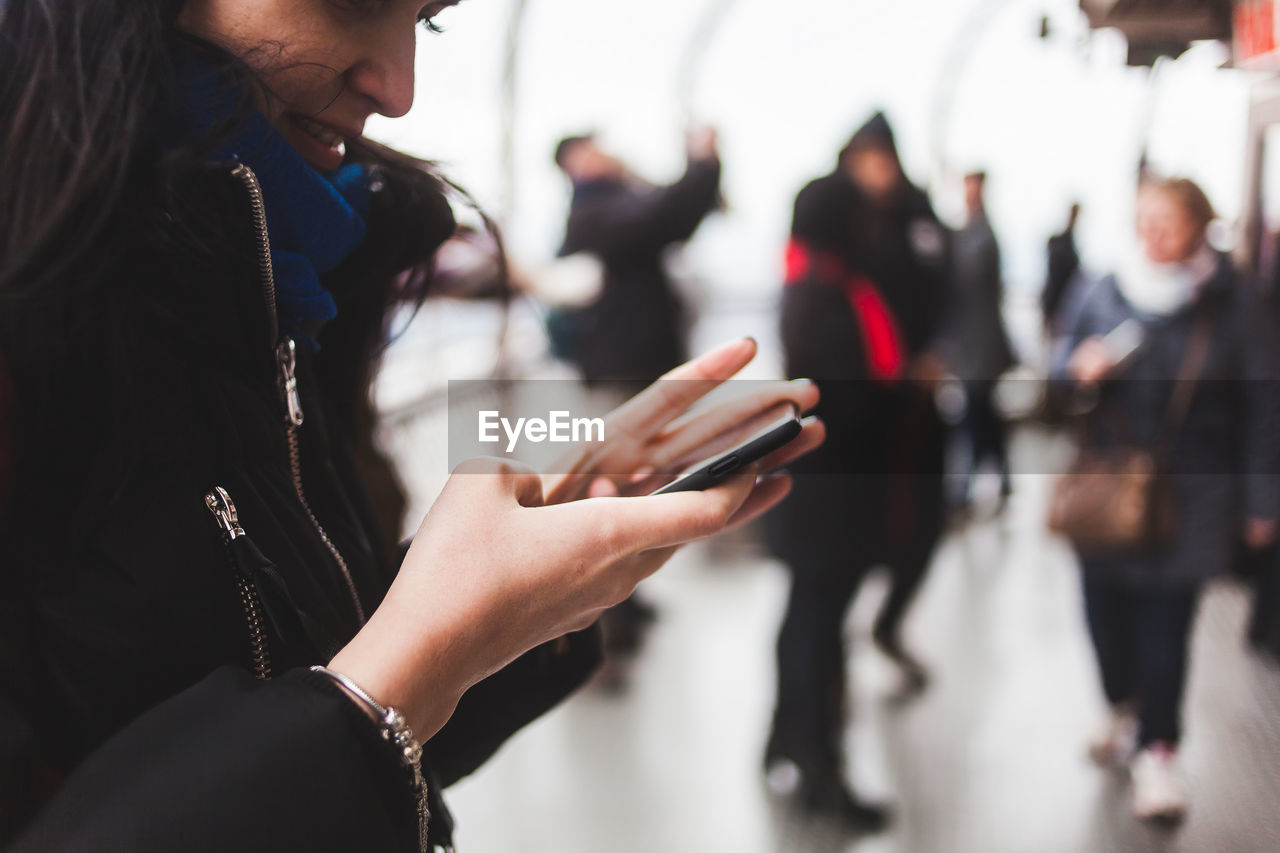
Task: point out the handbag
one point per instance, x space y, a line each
1119 500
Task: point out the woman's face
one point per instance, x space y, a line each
1168 233
328 64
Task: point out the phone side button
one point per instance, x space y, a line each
724 466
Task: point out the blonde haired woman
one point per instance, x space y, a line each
1140 606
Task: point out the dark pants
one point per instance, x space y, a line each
812 653
1141 638
873 495
811 666
1264 628
986 433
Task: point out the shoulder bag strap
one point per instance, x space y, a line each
1189 375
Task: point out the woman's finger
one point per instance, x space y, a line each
673 395
602 487
623 527
632 427
812 434
729 423
768 493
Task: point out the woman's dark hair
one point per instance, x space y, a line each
81 87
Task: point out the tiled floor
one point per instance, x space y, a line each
989 760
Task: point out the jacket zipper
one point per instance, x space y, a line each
286 364
224 510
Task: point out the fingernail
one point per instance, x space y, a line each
642 474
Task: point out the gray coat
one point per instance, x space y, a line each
1223 462
974 344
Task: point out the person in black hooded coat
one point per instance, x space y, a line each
866 273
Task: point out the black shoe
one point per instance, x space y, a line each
821 790
914 673
831 799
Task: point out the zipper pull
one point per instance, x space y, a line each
287 359
222 507
224 510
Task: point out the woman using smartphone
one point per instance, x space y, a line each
205 646
1129 344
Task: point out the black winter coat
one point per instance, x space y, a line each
636 330
130 715
873 492
1063 264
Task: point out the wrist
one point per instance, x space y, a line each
403 666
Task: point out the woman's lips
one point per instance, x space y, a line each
319 144
329 137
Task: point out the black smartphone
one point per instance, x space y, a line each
774 429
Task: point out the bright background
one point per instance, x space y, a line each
991 759
967 83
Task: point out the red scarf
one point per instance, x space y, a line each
881 337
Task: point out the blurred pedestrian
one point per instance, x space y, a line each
636 330
1064 263
975 345
865 277
1188 313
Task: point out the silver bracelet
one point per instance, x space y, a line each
395 730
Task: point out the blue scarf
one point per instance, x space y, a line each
314 220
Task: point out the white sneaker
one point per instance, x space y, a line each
1116 740
1159 786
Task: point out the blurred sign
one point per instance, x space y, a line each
1256 43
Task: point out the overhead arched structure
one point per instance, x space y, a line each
509 108
960 50
695 53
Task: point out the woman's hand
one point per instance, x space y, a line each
1091 362
494 572
646 434
501 565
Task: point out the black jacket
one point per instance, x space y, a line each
130 715
1064 263
974 344
636 330
900 247
850 498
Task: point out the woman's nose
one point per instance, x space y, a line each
385 73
